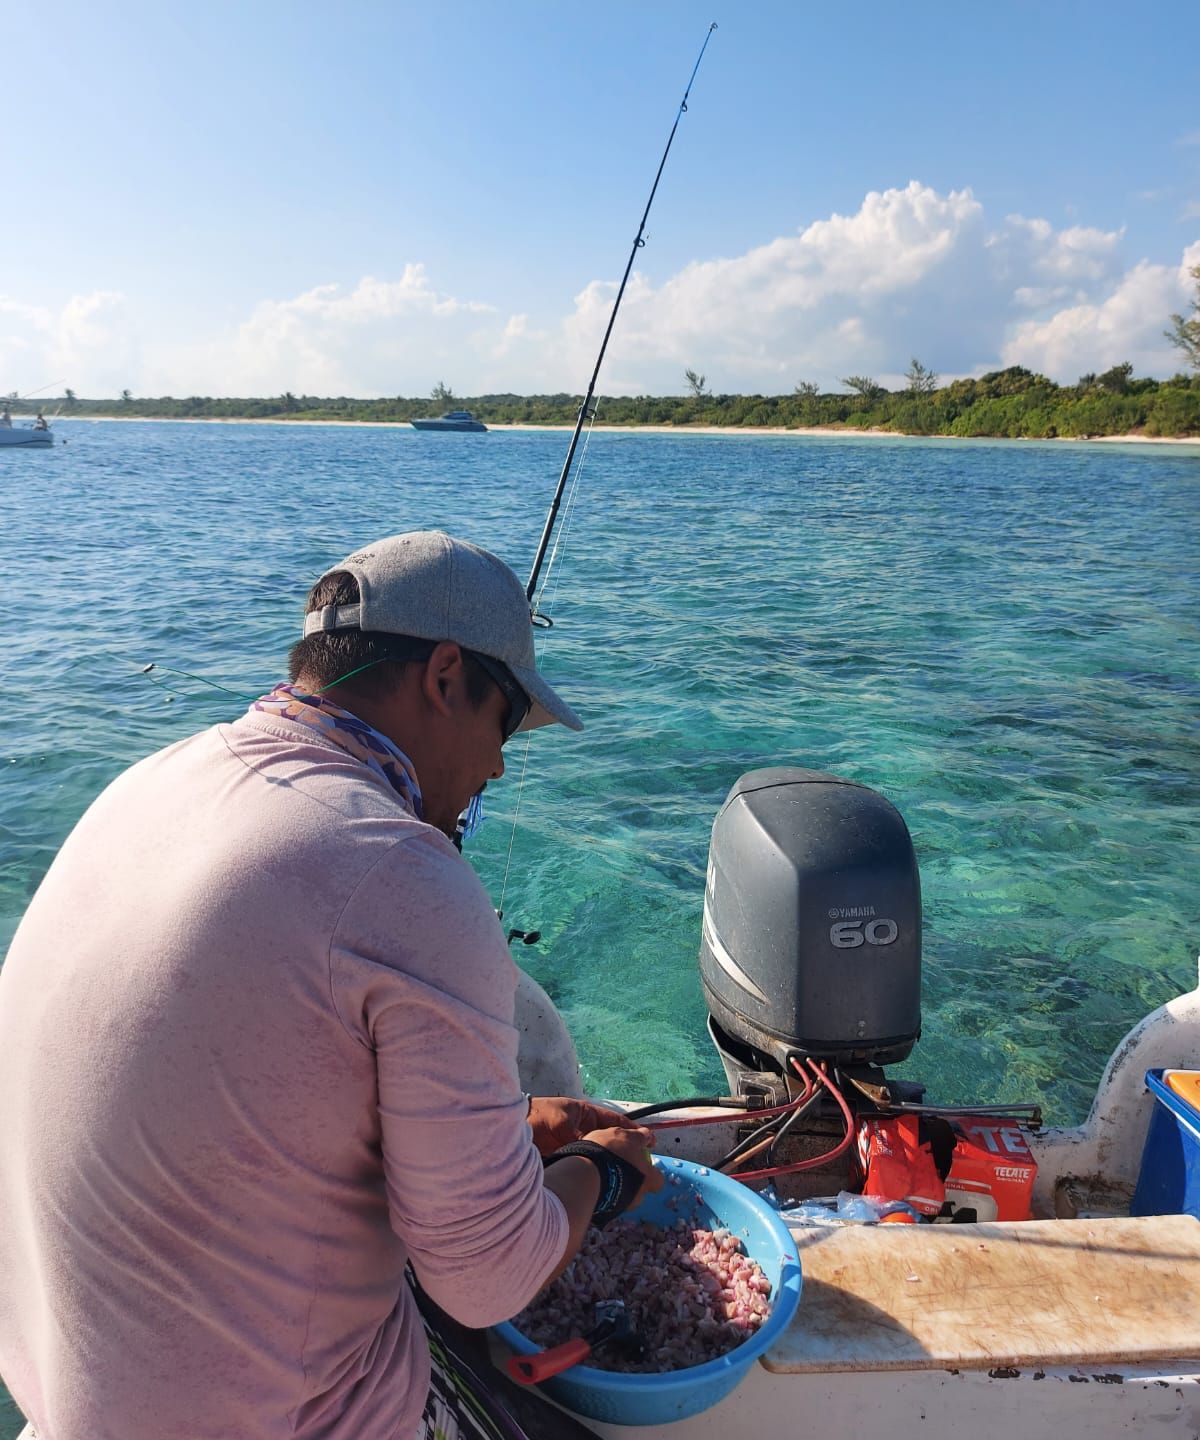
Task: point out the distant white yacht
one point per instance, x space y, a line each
452 420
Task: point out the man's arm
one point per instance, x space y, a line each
421 976
579 1192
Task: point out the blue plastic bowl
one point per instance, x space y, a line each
716 1202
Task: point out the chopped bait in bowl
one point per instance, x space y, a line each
690 1295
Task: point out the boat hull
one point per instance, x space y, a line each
23 437
465 425
996 1404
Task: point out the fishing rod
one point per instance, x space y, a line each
585 410
29 394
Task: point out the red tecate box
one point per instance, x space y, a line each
993 1169
942 1168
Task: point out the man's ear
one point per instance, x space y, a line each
443 678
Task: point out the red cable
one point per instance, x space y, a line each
816 1160
809 1088
734 1117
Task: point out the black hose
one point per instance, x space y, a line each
695 1103
790 1120
750 1141
780 1121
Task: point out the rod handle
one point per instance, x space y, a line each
533 1369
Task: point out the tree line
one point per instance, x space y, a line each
1012 403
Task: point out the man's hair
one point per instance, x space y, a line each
326 656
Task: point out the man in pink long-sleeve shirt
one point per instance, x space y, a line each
257 1051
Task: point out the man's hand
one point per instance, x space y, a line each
632 1143
558 1121
576 1180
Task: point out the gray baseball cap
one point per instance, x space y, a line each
428 585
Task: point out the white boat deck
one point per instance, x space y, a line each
1042 1293
1082 1324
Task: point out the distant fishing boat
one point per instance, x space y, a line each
452 420
38 434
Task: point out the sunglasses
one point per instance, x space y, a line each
518 701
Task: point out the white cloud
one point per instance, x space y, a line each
1125 324
89 337
810 304
1038 297
366 341
911 272
1077 254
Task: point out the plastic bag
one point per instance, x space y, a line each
846 1208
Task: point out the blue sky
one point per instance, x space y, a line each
368 198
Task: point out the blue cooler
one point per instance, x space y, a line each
1169 1180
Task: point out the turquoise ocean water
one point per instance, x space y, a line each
1004 638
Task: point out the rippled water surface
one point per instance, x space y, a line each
1003 638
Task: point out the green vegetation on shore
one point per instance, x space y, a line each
1013 403
1010 404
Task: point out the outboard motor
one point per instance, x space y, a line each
811 942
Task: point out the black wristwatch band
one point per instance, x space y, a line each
619 1180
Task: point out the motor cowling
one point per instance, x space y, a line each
811 938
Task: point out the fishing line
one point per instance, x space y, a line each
553 567
187 674
546 615
29 394
168 698
249 699
558 554
587 414
513 833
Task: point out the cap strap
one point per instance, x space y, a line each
332 617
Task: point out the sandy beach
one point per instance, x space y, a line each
829 430
732 430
